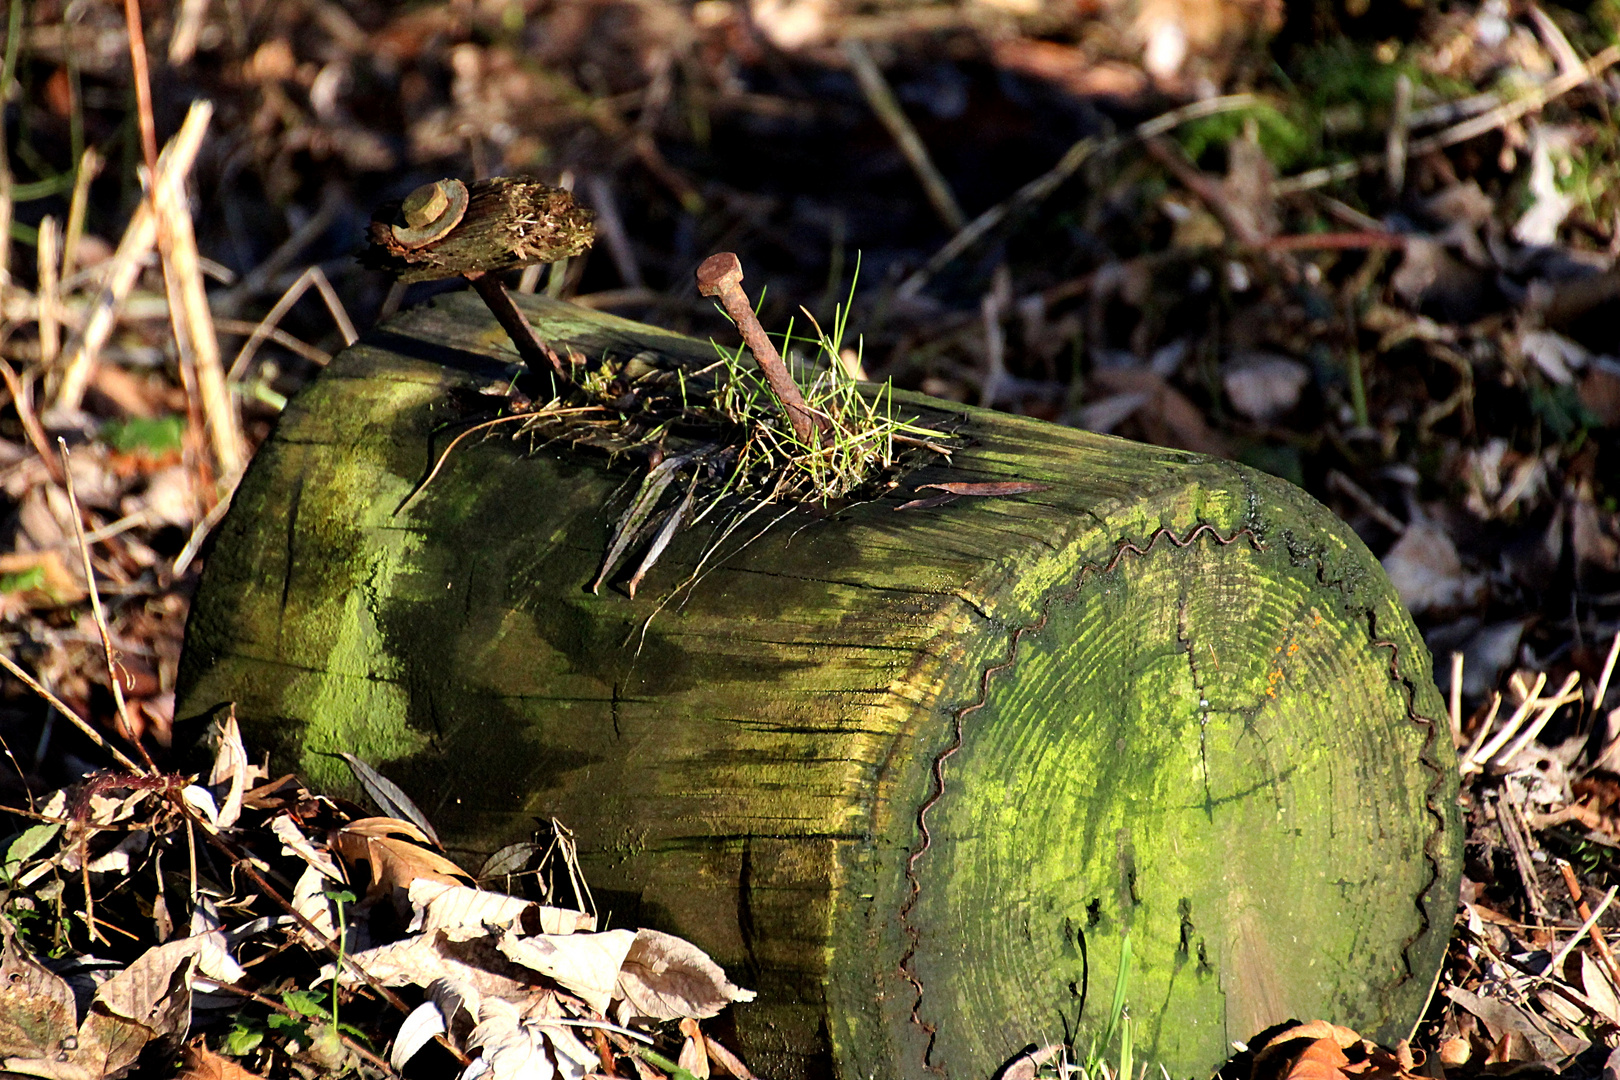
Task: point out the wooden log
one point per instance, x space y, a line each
912 775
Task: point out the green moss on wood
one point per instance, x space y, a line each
750 773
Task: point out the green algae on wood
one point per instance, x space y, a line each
1167 695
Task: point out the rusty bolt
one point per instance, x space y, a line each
721 276
430 212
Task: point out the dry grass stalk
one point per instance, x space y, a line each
89 167
97 611
188 26
50 320
137 243
267 326
882 100
193 321
143 83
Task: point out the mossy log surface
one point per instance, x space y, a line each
911 775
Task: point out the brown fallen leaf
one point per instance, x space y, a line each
36 1006
1320 1060
396 853
200 1063
987 488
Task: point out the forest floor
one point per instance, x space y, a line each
1366 245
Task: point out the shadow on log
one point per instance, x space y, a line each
911 775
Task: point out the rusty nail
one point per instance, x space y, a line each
529 346
721 276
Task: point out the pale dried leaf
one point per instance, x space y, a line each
585 964
465 913
471 966
510 1049
1425 569
294 842
230 769
666 977
424 1022
1263 386
1599 990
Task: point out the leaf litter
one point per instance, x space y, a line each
511 987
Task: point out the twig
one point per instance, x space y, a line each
1607 673
89 168
1591 921
30 422
1476 760
187 26
1355 241
312 275
1566 694
1454 703
992 306
1585 912
143 83
1464 761
1507 819
200 532
243 328
1503 114
610 226
878 95
1044 185
97 612
194 320
73 717
14 21
1395 142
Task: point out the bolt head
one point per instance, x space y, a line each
718 271
424 204
430 212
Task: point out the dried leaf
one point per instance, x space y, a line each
394 863
230 768
424 1022
585 964
1322 1059
294 842
200 1063
389 798
513 1047
1262 386
1425 569
36 1006
988 488
464 913
666 977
